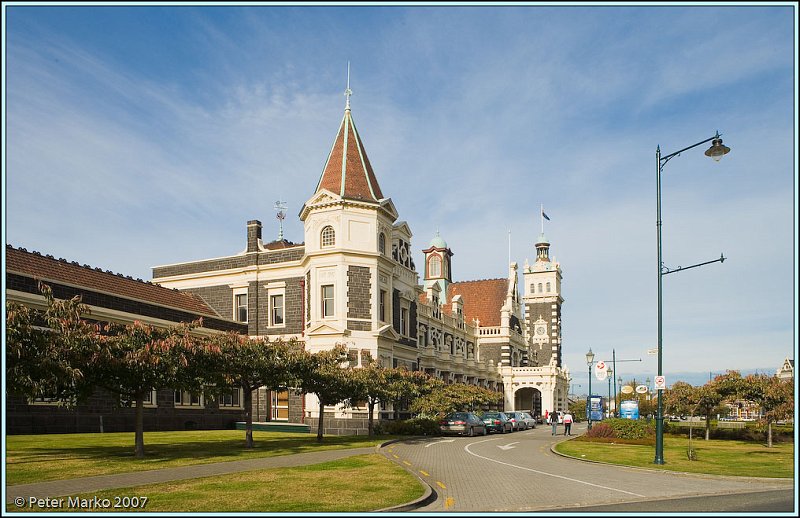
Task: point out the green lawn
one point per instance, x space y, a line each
361 483
715 457
37 458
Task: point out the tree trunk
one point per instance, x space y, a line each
708 426
319 425
248 417
139 448
769 434
370 425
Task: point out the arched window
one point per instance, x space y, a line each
548 287
382 243
435 266
540 287
328 236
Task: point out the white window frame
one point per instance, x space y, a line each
274 407
327 237
382 305
187 395
323 300
404 314
238 292
221 400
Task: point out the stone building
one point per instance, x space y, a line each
353 281
111 297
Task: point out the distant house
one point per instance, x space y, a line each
786 371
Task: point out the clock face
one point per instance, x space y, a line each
539 330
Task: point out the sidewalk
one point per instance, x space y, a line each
74 486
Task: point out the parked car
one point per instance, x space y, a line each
462 423
520 421
530 421
497 422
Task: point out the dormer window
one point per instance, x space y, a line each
328 236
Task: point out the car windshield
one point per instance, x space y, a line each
491 414
456 416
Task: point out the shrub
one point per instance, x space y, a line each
600 430
413 426
631 429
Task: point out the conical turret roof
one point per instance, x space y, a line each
347 171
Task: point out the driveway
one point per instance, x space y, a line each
519 472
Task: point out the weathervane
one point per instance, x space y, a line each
348 92
280 206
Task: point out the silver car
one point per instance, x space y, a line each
521 420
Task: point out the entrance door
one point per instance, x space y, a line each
280 406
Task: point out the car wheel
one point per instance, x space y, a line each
471 432
485 431
503 429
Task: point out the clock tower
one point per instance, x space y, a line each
543 302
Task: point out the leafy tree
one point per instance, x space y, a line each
370 384
774 395
45 349
133 359
325 375
238 361
406 386
454 397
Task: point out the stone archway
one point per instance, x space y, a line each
528 399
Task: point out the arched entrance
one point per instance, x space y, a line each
528 399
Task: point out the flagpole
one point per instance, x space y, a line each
541 215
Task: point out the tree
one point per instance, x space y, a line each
131 360
454 397
370 385
45 349
325 375
242 362
774 395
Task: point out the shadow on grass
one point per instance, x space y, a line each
218 450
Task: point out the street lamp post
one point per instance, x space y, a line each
716 151
589 362
610 372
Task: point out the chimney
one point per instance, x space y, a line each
253 235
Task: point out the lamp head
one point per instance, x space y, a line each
589 356
717 149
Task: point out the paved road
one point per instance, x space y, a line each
518 472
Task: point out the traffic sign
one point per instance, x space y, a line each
661 383
653 352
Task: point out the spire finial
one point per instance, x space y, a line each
348 92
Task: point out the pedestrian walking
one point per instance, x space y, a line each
567 423
554 421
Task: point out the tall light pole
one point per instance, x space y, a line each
716 151
610 373
589 362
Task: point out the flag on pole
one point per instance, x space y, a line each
545 215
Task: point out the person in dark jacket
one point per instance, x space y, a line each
554 421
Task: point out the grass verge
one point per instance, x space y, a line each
39 458
714 457
356 484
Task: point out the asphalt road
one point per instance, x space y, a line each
518 472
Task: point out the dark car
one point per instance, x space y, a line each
524 420
497 422
462 423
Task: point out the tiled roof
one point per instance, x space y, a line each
347 171
48 268
482 299
279 245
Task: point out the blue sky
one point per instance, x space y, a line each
148 135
